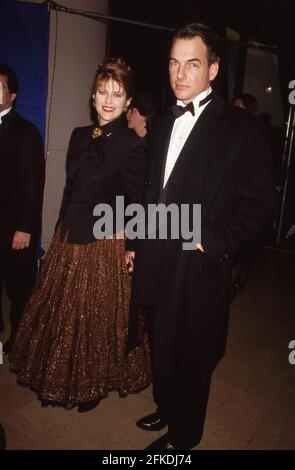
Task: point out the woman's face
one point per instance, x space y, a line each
110 101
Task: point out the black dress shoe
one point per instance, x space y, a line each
161 443
45 403
88 405
68 406
152 422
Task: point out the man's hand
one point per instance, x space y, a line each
129 260
21 240
199 247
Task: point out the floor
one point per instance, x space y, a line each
252 400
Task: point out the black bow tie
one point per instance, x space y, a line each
180 110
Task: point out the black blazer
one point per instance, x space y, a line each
98 170
22 169
225 166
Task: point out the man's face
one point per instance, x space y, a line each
6 98
189 71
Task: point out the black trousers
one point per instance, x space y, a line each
18 270
182 398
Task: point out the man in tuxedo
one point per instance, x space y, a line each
21 194
202 151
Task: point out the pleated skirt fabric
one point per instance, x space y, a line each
70 345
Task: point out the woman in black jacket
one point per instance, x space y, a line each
70 345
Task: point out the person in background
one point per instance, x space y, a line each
248 102
71 343
22 170
243 259
141 113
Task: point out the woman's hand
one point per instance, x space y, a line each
129 260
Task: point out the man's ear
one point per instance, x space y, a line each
213 71
12 97
128 102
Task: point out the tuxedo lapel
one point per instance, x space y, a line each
7 124
159 150
200 131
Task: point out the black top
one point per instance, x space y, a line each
99 169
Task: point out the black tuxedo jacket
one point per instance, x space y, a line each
22 168
225 166
98 170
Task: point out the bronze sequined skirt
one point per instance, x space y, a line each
70 345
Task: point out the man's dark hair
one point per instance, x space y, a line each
249 101
208 36
145 104
12 81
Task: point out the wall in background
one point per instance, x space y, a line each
262 80
77 45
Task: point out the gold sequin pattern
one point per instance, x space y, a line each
70 345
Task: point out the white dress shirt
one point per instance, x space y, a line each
181 130
3 113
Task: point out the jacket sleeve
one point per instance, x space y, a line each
70 169
134 173
31 167
254 200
